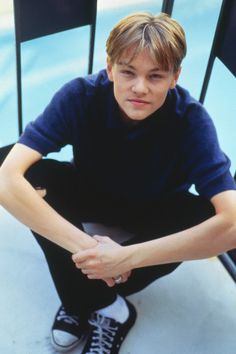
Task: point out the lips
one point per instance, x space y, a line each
137 102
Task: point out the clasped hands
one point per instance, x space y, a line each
106 261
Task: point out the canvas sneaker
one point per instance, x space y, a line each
67 331
106 335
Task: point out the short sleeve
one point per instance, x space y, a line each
53 128
204 163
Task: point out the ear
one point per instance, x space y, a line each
175 78
109 70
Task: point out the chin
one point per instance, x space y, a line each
135 116
139 118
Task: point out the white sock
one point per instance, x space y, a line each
118 310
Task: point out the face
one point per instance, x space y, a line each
140 86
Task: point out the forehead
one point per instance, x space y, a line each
134 51
139 59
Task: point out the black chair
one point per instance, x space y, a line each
167 6
224 48
224 43
37 18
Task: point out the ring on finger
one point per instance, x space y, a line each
118 279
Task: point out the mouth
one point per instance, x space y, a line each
137 102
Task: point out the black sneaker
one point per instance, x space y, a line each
106 335
67 331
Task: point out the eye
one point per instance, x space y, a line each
127 73
155 77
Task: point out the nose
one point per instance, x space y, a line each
140 86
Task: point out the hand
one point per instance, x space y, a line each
105 261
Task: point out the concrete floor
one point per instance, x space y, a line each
191 311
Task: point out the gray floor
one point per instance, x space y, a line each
191 311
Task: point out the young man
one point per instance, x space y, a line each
139 143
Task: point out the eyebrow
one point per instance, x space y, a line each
133 68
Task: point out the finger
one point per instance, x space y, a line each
124 279
41 191
93 276
82 256
125 276
80 265
128 274
97 237
109 281
90 275
89 264
101 239
85 271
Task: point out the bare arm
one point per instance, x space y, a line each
22 201
211 237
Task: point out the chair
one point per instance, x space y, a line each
224 48
224 43
34 19
167 6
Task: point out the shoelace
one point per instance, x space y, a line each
63 316
103 335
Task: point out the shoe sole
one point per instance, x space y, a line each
64 349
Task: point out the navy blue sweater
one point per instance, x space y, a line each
175 147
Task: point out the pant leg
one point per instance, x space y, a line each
155 220
68 198
168 216
4 152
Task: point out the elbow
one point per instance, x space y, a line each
6 185
231 232
225 235
234 235
11 183
2 186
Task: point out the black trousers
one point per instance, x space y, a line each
78 202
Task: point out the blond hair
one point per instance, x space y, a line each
161 35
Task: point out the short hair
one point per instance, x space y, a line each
161 35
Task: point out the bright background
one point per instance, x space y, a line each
51 61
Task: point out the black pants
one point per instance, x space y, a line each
78 202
